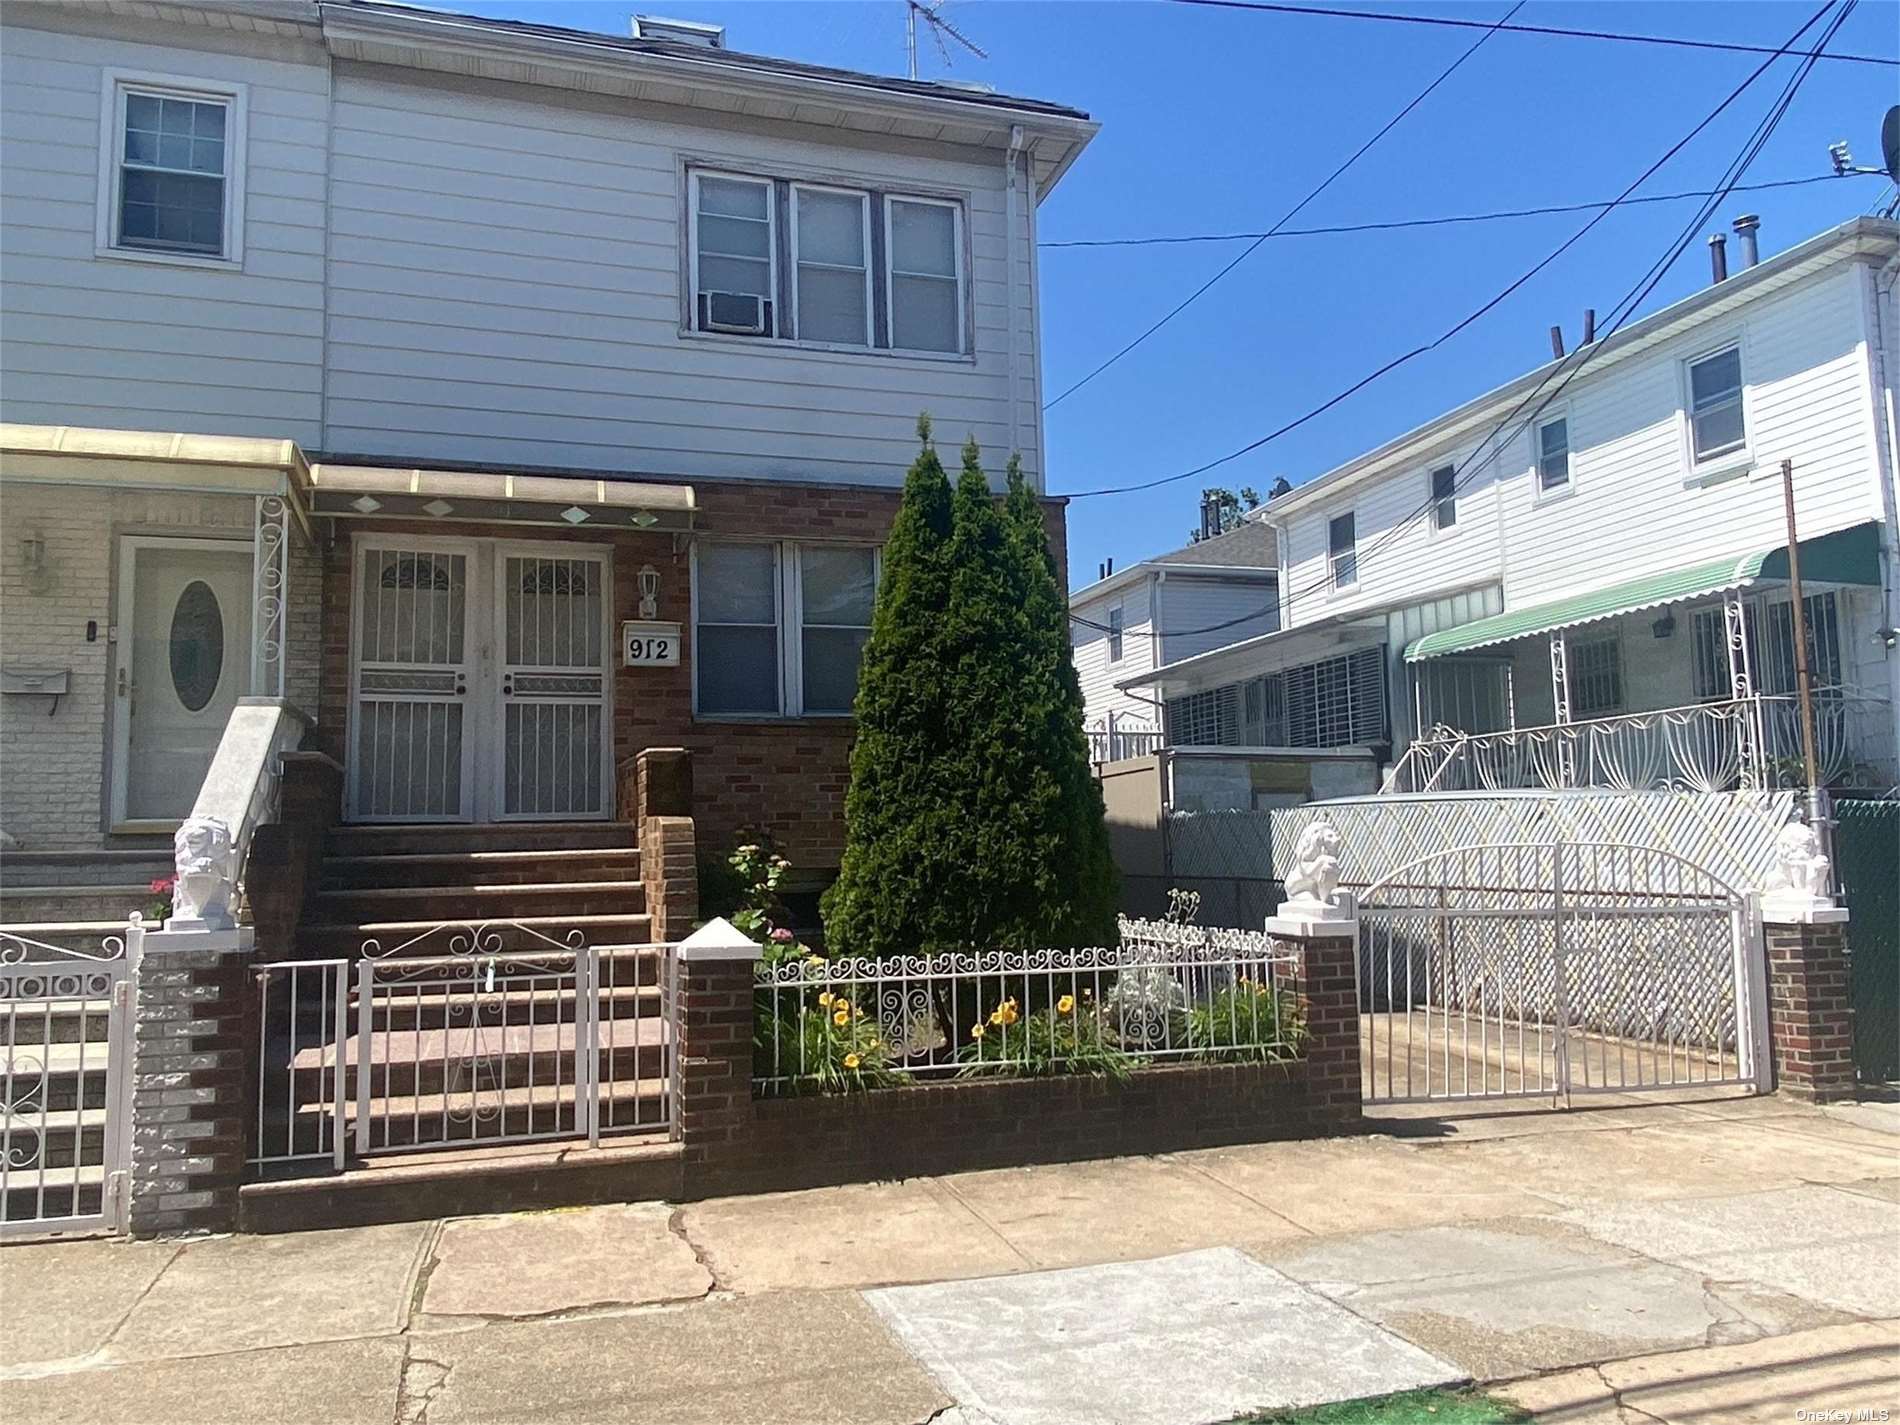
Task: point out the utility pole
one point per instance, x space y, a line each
1803 677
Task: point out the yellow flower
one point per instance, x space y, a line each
842 1017
856 1013
976 1031
851 1061
814 959
826 998
1065 1005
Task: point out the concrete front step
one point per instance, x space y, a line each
489 836
427 939
62 1136
20 901
88 866
58 1021
469 1063
417 1187
407 1121
544 866
45 1191
63 1077
480 902
87 936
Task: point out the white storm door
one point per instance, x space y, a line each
412 747
183 660
554 637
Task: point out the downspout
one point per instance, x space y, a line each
1886 470
1011 162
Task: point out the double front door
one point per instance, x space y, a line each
480 681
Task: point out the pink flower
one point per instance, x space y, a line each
163 885
782 936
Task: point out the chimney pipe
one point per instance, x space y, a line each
1109 566
1746 227
1589 326
1557 342
1718 257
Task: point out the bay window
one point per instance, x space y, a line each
780 627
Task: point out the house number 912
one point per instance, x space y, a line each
650 645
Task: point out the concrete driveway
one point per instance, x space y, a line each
1724 1260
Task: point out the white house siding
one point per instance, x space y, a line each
1140 654
1411 561
505 282
101 341
1632 512
1192 607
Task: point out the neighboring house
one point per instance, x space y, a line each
392 361
1600 596
1132 621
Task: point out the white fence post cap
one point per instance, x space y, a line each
719 939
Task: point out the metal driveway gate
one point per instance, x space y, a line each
1532 970
65 1116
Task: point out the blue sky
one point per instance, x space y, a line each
1216 120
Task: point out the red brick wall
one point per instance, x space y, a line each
787 775
1810 1010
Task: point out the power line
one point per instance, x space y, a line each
1288 217
1571 365
1451 219
1551 31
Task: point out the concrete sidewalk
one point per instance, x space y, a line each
1724 1260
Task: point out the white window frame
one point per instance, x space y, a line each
1332 569
1728 462
693 175
1431 497
1539 494
1117 635
870 268
963 275
789 607
115 86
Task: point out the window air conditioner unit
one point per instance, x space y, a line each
735 312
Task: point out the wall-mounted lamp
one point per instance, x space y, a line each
33 561
649 592
1664 627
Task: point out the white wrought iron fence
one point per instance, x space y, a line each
1750 742
506 1035
64 1115
1112 741
1167 993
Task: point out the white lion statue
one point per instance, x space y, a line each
1801 867
202 850
1314 877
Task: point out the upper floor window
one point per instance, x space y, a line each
1716 425
780 627
172 178
1553 454
896 284
1342 551
1445 497
1115 634
926 277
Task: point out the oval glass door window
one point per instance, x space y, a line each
197 645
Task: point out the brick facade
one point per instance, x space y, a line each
193 1085
1326 982
785 775
1810 1010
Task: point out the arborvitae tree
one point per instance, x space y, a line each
1079 863
972 819
893 885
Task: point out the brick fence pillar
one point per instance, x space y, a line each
669 851
193 1084
1810 1008
1327 984
712 1109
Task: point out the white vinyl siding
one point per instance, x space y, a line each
141 340
1098 672
1201 614
779 627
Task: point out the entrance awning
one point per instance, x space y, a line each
490 497
1848 556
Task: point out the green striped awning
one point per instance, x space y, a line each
1849 556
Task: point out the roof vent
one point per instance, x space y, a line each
679 32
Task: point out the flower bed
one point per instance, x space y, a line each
1167 994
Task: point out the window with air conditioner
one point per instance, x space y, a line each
735 266
827 265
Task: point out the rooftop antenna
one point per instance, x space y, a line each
932 13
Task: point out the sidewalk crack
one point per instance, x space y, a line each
139 1300
421 1382
676 1224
